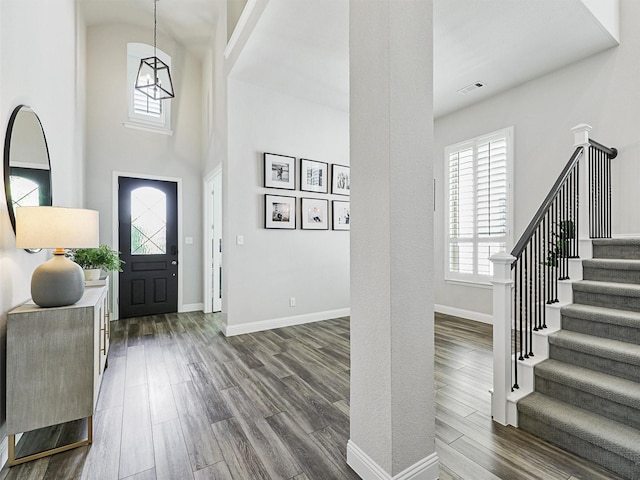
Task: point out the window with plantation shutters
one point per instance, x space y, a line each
143 111
477 221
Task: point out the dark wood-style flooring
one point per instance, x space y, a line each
180 401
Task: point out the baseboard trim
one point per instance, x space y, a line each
468 314
251 327
426 469
192 307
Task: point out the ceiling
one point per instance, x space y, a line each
301 47
191 22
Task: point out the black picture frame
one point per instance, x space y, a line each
279 171
279 212
341 215
340 179
314 176
314 213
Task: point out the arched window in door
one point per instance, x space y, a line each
24 192
148 221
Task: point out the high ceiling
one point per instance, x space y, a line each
191 22
301 47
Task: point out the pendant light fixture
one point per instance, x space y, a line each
154 78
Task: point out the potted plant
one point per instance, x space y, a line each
93 260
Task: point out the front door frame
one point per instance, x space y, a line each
212 217
115 281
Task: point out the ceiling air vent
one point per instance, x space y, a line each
471 88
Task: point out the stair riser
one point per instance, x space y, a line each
618 252
600 364
602 406
611 275
602 329
613 462
606 300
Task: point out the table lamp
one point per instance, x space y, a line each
58 281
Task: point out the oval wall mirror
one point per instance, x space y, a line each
27 170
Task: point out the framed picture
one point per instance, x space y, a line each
341 215
314 176
279 171
340 180
279 212
315 214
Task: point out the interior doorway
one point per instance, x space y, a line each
213 242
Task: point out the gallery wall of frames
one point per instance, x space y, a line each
310 206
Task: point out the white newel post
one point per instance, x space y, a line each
581 139
502 301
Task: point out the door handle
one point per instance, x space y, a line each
174 262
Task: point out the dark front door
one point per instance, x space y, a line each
148 241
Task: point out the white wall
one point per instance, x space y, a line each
274 265
600 91
37 68
113 147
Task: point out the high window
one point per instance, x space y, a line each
478 204
145 112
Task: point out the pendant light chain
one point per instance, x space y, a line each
155 26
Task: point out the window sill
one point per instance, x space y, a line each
470 283
148 128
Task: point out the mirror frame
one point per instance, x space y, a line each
7 154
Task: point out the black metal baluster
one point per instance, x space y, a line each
609 210
520 310
514 337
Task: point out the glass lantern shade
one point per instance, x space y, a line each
154 79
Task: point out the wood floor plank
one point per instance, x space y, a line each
215 407
146 475
136 450
171 456
162 405
103 459
238 453
136 371
177 366
113 379
219 471
35 470
314 462
333 446
268 447
201 444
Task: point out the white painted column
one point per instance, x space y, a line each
392 351
581 139
502 364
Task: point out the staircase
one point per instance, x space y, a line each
587 393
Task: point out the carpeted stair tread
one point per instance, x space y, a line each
607 242
595 429
612 264
613 316
607 288
624 352
615 389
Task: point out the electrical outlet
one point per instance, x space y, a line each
292 302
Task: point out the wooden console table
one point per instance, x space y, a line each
55 360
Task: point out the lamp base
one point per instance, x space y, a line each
57 282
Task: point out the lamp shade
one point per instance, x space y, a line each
56 227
